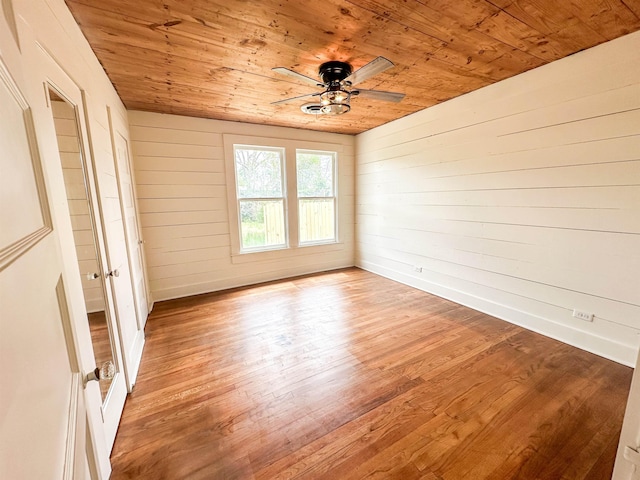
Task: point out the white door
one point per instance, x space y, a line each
58 84
45 345
627 465
128 209
64 104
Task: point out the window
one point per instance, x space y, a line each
316 196
283 195
260 193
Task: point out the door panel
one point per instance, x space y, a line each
39 384
22 227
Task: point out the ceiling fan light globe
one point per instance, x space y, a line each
334 96
335 108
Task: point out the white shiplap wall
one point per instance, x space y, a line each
180 174
521 199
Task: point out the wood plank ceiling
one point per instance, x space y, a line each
213 58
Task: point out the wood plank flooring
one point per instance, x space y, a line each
348 375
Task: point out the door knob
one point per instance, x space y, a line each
114 273
92 276
106 372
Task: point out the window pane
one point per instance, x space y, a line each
316 218
315 174
258 173
262 223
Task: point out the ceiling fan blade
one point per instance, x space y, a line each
372 68
379 95
297 76
293 99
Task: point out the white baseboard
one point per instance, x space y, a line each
604 347
94 305
226 284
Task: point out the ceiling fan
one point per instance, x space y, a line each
338 80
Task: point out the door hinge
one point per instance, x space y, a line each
632 455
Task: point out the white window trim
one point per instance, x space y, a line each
291 197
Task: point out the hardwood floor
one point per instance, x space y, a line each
348 375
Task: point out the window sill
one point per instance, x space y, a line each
286 253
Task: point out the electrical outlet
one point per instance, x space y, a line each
587 317
417 269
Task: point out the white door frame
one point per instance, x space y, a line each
133 234
627 466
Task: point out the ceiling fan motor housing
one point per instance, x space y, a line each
334 72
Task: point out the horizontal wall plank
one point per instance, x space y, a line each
178 164
86 252
179 178
185 231
599 197
599 219
161 135
181 191
615 174
155 243
175 150
169 205
183 218
81 222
